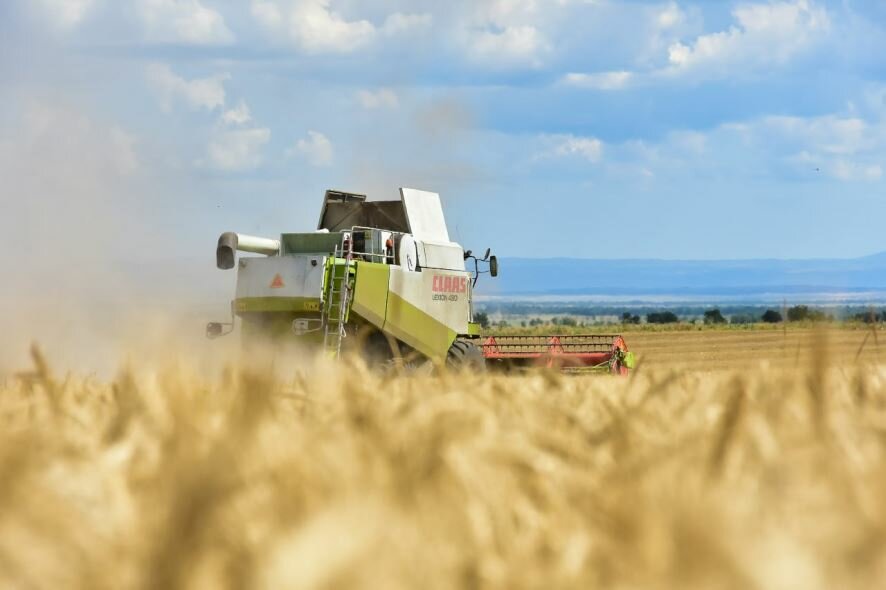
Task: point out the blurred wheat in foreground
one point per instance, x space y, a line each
347 479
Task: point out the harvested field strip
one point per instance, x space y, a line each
729 349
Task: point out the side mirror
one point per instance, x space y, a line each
214 330
488 252
493 266
468 254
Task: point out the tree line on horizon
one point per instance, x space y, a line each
795 314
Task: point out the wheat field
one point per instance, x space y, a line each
265 475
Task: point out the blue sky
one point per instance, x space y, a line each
141 129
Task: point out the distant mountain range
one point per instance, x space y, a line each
562 276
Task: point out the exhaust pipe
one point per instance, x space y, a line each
229 243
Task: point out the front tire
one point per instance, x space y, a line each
464 355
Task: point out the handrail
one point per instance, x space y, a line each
385 258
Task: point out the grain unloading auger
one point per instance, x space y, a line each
383 279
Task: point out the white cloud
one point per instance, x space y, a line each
268 14
238 116
231 150
828 134
511 46
844 148
850 171
398 23
205 93
840 168
589 148
67 13
670 16
764 34
507 34
314 27
679 54
599 81
383 98
183 21
841 148
318 29
316 149
239 150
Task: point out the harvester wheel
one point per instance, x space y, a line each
464 355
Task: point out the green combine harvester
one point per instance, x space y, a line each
384 280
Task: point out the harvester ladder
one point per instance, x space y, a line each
337 302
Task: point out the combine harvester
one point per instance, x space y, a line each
383 279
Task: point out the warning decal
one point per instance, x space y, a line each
277 283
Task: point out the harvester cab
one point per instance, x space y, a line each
386 271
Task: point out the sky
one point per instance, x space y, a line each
134 132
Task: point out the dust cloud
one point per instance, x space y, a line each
87 263
425 148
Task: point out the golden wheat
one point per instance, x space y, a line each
337 477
